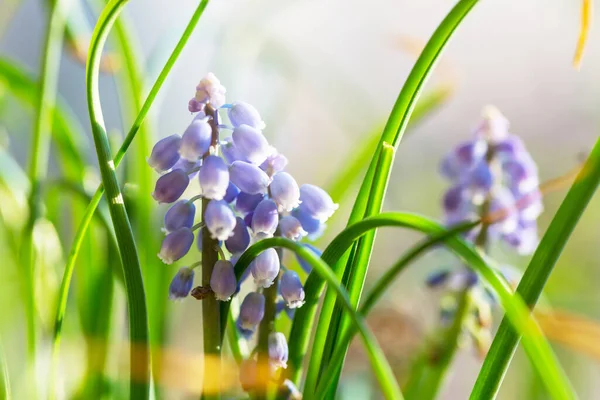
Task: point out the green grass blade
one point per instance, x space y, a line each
538 349
331 313
140 363
392 133
381 368
87 218
40 153
537 273
378 290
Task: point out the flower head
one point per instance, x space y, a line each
196 140
176 245
240 240
251 144
248 177
171 186
181 214
316 202
291 289
252 311
214 177
219 219
285 191
242 113
210 90
265 218
265 268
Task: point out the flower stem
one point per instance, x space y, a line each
211 313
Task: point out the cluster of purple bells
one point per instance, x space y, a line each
491 174
251 198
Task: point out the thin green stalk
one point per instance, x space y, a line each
381 367
327 328
392 133
267 325
537 273
237 345
140 363
40 153
538 349
87 218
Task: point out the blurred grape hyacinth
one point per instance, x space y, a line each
493 177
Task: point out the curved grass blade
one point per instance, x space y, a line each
517 313
40 154
85 223
381 368
537 273
392 133
140 363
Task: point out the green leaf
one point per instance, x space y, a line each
537 273
381 368
392 133
87 218
5 392
537 347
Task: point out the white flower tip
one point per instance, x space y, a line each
165 259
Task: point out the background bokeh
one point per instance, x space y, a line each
324 75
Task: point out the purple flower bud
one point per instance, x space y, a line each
181 284
265 268
248 177
278 350
176 245
181 214
265 218
219 219
230 152
165 153
196 140
252 311
285 191
494 127
291 228
222 280
195 106
251 144
242 113
291 289
312 226
275 163
231 193
462 279
480 180
210 90
214 178
437 278
170 186
457 207
306 266
521 174
248 375
246 203
316 202
240 239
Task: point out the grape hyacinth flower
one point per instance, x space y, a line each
285 191
242 113
265 268
248 177
180 215
171 186
291 289
222 280
316 202
278 350
176 245
291 228
240 240
251 144
181 284
265 218
494 178
252 311
214 178
219 219
196 140
165 153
